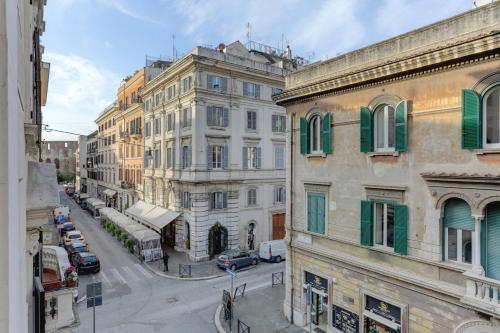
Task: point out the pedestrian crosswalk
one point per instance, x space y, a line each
123 275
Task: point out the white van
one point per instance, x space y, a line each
274 250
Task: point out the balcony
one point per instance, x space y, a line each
124 136
482 292
136 133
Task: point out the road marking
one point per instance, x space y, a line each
143 271
129 272
118 275
105 279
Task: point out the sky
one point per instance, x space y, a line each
93 44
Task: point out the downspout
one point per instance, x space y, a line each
291 217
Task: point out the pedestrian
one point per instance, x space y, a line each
165 262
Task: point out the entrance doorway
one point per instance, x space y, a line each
251 236
168 236
319 313
279 226
217 240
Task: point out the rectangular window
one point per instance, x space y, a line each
157 126
157 99
383 224
458 245
316 211
186 200
218 200
278 123
186 117
279 195
147 129
186 84
170 157
252 197
279 157
217 83
252 120
170 121
251 89
186 157
157 157
171 92
217 116
216 157
252 158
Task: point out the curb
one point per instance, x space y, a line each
217 322
210 277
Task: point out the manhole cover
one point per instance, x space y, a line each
171 300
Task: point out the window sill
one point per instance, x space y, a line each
384 153
217 128
383 248
487 151
279 132
316 155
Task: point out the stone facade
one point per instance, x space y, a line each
63 155
208 110
409 283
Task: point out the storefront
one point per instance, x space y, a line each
382 316
319 300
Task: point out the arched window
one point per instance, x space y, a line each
251 236
491 118
315 137
384 128
458 229
56 162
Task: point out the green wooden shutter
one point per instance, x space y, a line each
471 120
401 126
493 241
310 213
304 136
366 223
483 244
457 215
320 200
366 134
401 229
327 133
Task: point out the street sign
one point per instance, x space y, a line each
230 272
97 300
94 296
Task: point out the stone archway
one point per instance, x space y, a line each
217 239
475 326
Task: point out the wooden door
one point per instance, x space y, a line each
279 226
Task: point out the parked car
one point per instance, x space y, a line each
68 226
74 236
70 191
86 262
274 250
235 259
77 247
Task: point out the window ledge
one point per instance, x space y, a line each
384 153
316 155
487 151
218 128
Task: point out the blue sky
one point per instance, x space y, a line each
93 44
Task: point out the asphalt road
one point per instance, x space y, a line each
136 300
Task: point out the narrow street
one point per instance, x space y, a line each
136 300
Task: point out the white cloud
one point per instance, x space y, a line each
131 12
78 92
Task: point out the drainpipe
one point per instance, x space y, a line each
291 216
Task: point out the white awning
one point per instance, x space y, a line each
153 216
95 202
109 192
84 196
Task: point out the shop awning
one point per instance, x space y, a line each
152 216
95 202
84 196
109 192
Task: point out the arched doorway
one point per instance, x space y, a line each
491 259
217 240
251 236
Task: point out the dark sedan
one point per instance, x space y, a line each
235 259
86 262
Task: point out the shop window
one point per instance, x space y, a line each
381 316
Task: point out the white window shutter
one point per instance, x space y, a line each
209 156
224 156
224 199
223 84
258 157
257 91
245 158
225 114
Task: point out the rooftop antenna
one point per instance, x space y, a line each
249 32
174 55
282 41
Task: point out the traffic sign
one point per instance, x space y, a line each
97 300
94 289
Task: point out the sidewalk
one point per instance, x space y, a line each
199 270
262 311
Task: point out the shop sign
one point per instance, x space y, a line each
317 282
383 309
345 321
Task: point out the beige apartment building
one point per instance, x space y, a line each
131 144
216 149
393 180
108 185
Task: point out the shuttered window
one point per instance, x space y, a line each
316 134
458 225
251 89
217 116
217 157
384 224
251 158
217 200
316 212
217 83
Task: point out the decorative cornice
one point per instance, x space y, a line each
479 49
